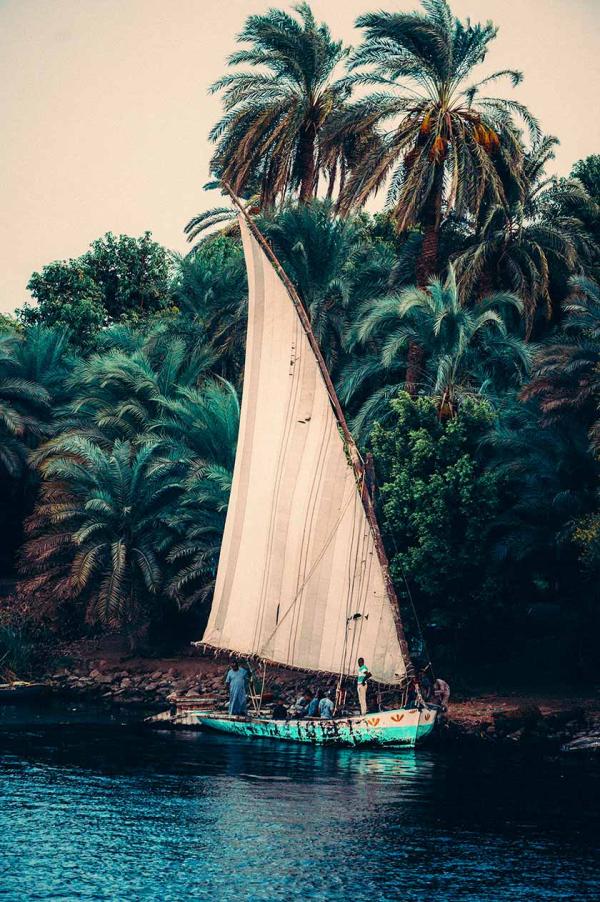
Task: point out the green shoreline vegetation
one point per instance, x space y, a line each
461 325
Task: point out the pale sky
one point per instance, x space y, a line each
105 112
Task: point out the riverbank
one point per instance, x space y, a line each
554 722
103 670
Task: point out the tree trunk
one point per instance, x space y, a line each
332 178
307 164
428 258
267 197
426 268
414 368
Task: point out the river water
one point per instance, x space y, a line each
93 808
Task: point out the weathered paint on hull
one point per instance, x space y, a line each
401 727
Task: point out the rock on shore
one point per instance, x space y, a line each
156 686
555 726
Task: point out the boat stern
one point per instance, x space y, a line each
400 727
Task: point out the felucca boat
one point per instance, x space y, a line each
303 579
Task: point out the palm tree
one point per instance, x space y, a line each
182 449
447 139
467 350
33 368
566 376
318 250
211 287
99 534
518 245
200 426
270 136
198 524
119 392
44 357
215 216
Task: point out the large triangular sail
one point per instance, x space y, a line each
300 580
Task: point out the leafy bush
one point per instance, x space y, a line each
438 504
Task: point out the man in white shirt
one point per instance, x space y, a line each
361 684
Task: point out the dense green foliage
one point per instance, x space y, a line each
210 288
118 278
465 350
99 529
439 503
460 324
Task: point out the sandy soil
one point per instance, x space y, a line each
480 708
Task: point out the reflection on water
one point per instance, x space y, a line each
114 812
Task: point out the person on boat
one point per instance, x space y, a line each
361 684
279 712
441 693
301 706
237 681
313 708
326 706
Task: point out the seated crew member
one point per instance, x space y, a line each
279 711
313 708
326 706
301 706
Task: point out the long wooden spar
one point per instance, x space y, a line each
357 463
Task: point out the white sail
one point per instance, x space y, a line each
298 559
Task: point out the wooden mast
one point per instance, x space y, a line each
357 462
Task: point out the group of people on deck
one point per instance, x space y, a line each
421 691
319 704
309 704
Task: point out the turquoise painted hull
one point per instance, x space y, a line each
401 727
